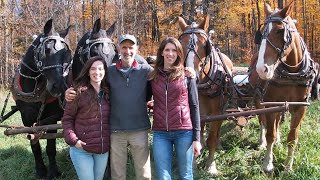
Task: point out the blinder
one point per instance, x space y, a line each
258 35
40 52
90 43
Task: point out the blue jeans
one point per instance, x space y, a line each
89 166
163 145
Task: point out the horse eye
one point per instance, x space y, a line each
280 31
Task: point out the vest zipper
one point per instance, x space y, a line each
167 126
101 124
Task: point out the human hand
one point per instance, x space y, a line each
150 103
79 144
190 72
196 147
70 94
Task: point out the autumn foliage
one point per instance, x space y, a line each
234 23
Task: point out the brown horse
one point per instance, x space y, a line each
213 69
283 62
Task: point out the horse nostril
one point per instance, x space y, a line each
265 69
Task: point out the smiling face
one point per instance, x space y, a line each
128 50
96 72
169 54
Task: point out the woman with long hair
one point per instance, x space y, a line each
86 121
176 120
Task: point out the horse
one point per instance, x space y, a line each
284 65
37 85
213 70
95 43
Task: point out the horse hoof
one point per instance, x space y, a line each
41 173
269 169
213 171
262 147
52 175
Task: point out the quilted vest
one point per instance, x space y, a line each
171 106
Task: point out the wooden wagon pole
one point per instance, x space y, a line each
244 114
37 136
11 126
32 130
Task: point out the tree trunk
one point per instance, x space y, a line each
305 33
105 14
83 18
6 52
280 4
192 10
184 8
205 6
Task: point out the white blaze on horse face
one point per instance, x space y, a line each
264 71
191 54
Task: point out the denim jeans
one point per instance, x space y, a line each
89 166
164 142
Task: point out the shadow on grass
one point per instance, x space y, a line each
17 163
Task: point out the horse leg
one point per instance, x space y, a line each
41 169
263 131
278 122
271 137
292 139
212 142
203 142
51 153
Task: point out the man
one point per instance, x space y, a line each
129 121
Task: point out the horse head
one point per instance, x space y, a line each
46 59
199 51
95 43
195 42
280 43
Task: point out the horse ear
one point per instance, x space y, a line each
287 10
64 33
267 10
111 29
48 27
205 23
183 25
96 26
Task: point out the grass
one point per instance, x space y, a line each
238 159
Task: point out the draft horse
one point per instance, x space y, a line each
95 43
284 63
38 83
213 68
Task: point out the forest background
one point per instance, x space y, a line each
234 23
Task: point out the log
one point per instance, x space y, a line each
233 116
37 136
32 130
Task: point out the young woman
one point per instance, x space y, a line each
86 121
176 120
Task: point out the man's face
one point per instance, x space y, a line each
128 50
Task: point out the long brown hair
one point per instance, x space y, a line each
177 70
82 82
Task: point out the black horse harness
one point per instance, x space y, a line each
38 94
85 51
215 78
307 72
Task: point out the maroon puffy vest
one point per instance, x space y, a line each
171 106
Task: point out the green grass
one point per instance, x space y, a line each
238 159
